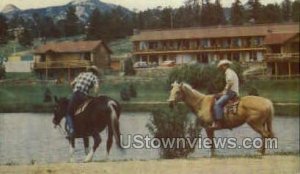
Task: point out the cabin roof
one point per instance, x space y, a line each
71 47
215 32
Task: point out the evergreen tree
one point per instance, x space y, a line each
140 20
295 10
25 38
286 7
254 11
95 26
212 14
271 14
49 28
72 23
118 24
3 29
237 13
207 18
167 18
219 13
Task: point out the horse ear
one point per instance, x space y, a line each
181 84
174 83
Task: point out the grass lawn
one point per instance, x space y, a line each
31 95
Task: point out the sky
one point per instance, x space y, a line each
130 4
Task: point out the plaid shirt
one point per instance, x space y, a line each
84 82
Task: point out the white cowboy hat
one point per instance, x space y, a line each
224 62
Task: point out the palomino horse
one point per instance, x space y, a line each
257 112
100 113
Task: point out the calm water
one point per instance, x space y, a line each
31 137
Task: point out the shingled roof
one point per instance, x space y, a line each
279 38
70 47
216 32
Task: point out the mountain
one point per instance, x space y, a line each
83 8
10 8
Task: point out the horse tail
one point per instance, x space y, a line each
114 121
269 120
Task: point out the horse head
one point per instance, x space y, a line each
176 94
60 109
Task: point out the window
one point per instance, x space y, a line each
43 58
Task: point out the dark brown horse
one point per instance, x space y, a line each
100 113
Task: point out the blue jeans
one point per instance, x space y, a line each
218 107
76 99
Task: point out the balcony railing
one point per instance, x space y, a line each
61 64
282 57
197 49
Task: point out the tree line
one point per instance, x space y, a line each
117 23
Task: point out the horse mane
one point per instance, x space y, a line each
194 91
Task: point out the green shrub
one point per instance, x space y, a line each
2 72
206 77
128 67
166 123
132 90
124 94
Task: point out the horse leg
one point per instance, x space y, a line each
259 128
210 135
86 145
72 149
97 141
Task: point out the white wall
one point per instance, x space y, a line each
18 66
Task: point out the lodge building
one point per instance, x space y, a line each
64 60
246 44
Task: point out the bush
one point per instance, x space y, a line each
132 90
206 77
124 94
128 67
128 91
166 123
2 72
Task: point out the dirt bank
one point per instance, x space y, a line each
267 164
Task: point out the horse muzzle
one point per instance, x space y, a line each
172 103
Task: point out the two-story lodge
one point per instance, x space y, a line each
64 60
245 44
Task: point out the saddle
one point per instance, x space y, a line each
230 108
83 106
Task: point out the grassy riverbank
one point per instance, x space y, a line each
27 96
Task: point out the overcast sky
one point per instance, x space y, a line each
131 4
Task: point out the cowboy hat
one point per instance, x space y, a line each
224 62
93 68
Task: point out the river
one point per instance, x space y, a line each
31 138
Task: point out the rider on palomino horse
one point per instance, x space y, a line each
230 91
81 87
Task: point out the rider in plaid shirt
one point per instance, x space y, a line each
81 87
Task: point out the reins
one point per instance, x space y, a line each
61 130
